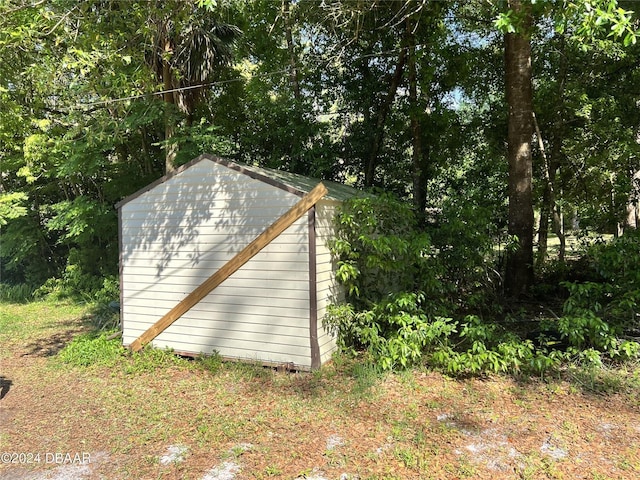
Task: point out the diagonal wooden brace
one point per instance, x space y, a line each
261 241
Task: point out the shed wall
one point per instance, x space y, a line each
177 234
328 291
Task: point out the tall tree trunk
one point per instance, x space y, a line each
419 155
171 149
519 90
383 112
543 226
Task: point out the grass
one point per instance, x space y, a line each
90 394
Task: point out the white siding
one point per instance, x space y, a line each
177 234
327 288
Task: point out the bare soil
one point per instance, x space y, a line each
180 421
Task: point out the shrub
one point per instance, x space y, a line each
89 349
599 313
403 291
464 238
395 332
20 293
380 252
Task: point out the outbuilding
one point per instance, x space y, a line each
196 222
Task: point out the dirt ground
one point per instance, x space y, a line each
180 421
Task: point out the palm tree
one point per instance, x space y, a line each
189 45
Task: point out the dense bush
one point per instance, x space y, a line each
400 289
601 316
380 252
400 309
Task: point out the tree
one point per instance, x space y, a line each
518 22
519 94
189 44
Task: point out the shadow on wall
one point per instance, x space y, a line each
197 220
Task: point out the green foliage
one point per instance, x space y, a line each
464 239
381 253
91 350
20 293
392 276
12 206
614 291
484 347
599 313
395 333
149 359
77 284
404 327
211 363
607 16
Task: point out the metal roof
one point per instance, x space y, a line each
292 182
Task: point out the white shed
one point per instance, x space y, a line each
178 231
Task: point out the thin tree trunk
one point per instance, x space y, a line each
171 148
146 157
419 155
293 61
519 90
383 112
549 203
543 226
633 205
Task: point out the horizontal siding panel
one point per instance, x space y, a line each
220 242
261 299
139 319
255 343
326 341
216 339
193 183
235 352
231 286
179 233
260 334
242 307
144 239
233 347
251 215
210 181
214 249
263 271
325 263
327 347
156 265
228 201
324 276
212 260
194 276
146 275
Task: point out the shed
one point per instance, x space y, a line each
178 231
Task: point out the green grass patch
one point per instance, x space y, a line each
150 359
91 350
